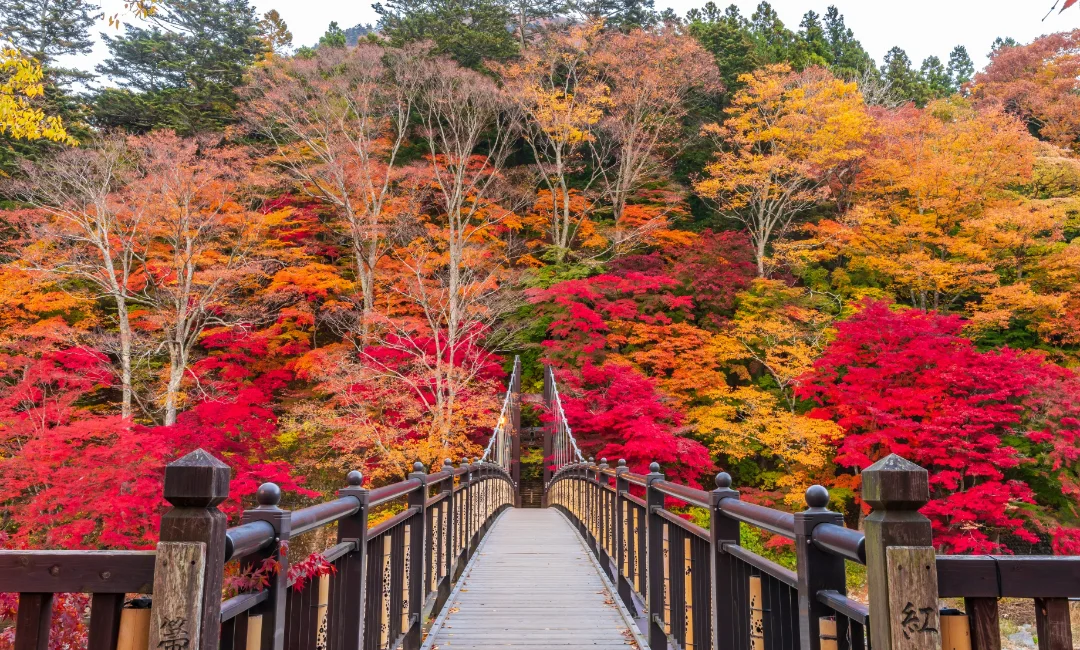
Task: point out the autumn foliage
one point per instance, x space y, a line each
786 278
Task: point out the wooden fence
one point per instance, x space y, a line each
385 578
699 589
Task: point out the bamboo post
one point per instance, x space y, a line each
757 615
955 630
827 633
134 628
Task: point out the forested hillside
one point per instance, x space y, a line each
742 246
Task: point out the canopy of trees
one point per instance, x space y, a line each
740 245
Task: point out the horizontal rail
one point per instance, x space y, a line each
636 501
322 514
774 521
635 479
248 538
845 606
383 526
237 605
338 551
102 572
687 494
1008 576
388 493
688 526
845 542
786 576
441 496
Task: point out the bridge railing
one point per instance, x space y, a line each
384 578
699 589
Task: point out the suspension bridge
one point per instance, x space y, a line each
609 559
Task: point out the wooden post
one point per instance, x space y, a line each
622 551
724 530
654 500
818 570
272 610
345 622
827 629
983 623
179 596
418 549
448 536
955 630
901 569
194 486
606 519
1052 623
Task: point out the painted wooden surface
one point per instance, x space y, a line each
532 585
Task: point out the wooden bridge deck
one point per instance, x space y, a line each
532 585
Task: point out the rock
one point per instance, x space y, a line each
1023 638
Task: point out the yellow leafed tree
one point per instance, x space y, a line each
21 82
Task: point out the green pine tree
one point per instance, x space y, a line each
334 36
812 45
774 43
182 71
848 58
935 78
726 35
960 68
469 31
904 82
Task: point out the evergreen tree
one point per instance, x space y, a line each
1000 42
47 29
183 70
334 36
812 47
727 37
469 31
961 69
935 78
904 82
847 56
529 13
774 42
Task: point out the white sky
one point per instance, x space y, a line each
921 27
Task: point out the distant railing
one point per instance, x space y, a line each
504 446
384 577
700 589
560 447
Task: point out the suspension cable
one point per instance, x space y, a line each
564 446
499 449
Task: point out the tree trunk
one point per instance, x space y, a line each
177 365
125 356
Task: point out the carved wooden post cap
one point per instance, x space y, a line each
895 483
197 480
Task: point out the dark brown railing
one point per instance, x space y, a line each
385 577
698 589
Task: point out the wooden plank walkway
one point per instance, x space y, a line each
532 585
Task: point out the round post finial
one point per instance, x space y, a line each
723 480
654 467
817 497
268 495
418 468
354 478
622 462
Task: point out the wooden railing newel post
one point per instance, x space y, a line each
606 518
654 550
272 610
448 531
901 567
417 566
622 559
194 486
817 570
724 530
345 631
